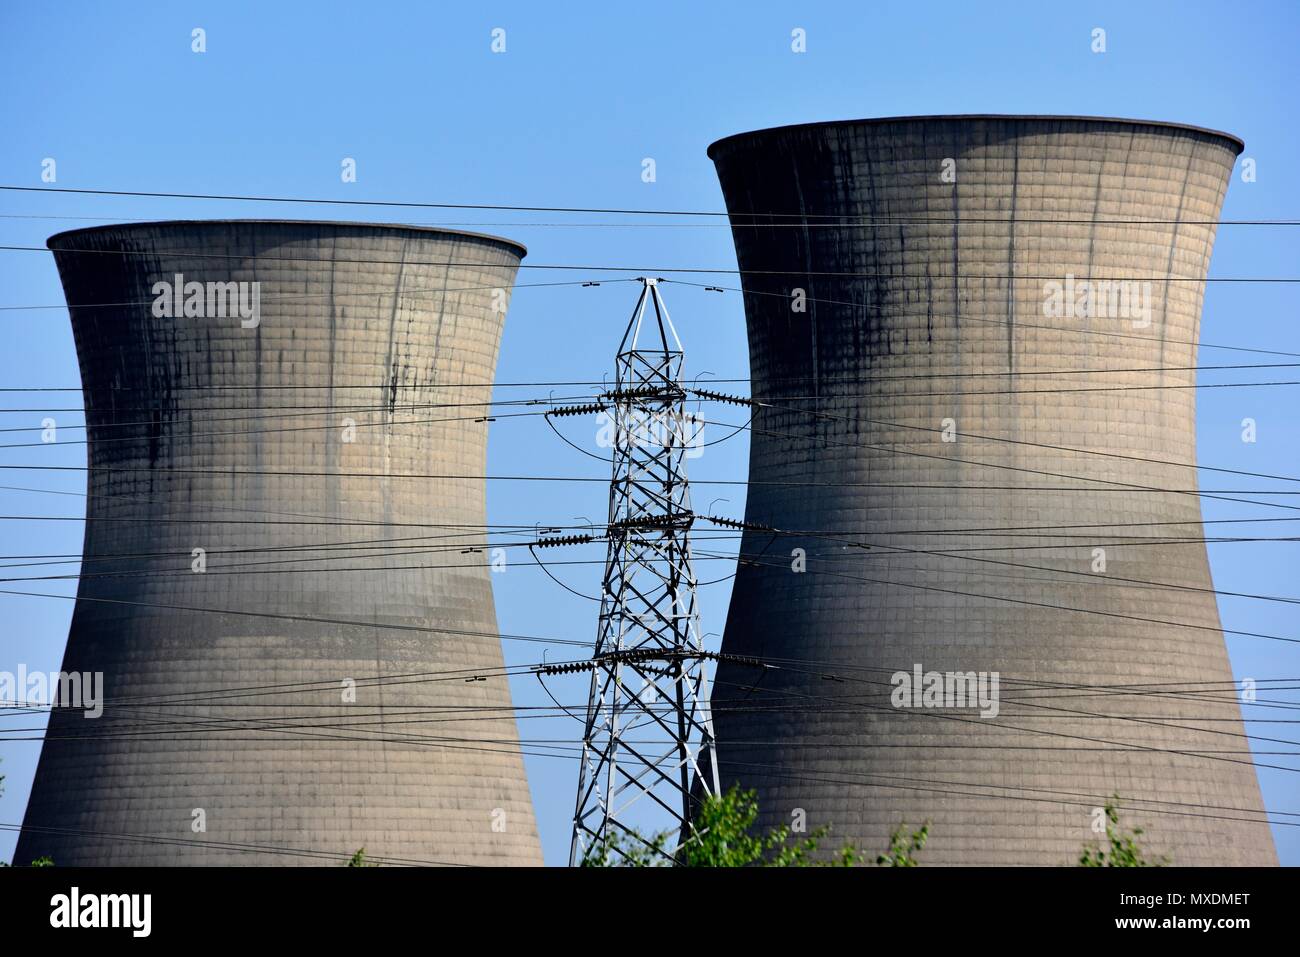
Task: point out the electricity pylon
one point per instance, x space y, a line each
648 748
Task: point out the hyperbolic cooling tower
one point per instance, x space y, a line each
925 252
327 459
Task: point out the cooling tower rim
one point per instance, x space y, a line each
57 242
1237 142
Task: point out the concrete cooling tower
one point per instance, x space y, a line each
976 336
286 451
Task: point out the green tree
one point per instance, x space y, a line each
1123 846
722 835
358 859
40 861
903 847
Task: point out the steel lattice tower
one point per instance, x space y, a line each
648 740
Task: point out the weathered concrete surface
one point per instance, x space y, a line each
944 319
207 434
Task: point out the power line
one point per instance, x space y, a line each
268 849
225 697
411 406
1112 388
1038 604
259 569
413 545
411 476
523 526
1025 442
200 697
98 441
280 412
1057 711
1019 322
570 756
788 435
1093 801
404 292
206 696
239 612
737 428
939 714
639 270
228 197
858 223
744 559
855 379
181 730
1119 486
1091 577
319 519
222 726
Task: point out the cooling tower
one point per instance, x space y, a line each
977 464
325 675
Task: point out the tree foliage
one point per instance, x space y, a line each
722 835
40 861
358 859
903 847
1123 849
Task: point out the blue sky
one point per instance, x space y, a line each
564 118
